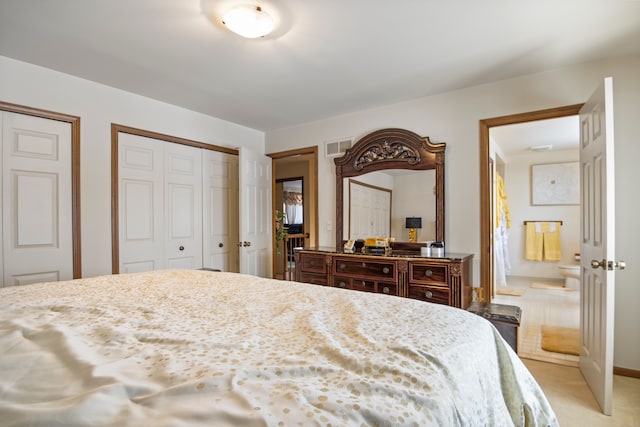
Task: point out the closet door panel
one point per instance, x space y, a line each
183 200
141 204
220 214
36 200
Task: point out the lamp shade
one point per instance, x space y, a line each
413 222
248 21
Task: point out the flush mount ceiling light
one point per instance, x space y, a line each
248 21
541 148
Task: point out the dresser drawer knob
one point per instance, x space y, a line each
364 284
385 290
386 270
428 273
343 266
428 294
342 285
364 265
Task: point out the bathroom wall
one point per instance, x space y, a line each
518 188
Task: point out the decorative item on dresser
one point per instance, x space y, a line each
443 280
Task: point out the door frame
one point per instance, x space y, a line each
313 189
486 221
74 121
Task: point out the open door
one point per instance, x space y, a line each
255 214
597 246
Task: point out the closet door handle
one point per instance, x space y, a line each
220 245
181 248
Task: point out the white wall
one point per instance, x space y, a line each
453 118
517 187
98 106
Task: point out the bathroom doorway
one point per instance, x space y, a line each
512 145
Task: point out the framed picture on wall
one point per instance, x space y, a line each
555 184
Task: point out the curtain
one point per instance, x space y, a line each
293 207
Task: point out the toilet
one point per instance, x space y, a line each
571 273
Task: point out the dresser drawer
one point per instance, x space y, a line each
365 268
425 273
359 284
311 263
315 279
430 294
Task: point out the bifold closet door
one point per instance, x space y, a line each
160 204
37 243
220 210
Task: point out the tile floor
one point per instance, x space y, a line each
542 307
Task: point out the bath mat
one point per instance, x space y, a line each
506 290
559 287
559 339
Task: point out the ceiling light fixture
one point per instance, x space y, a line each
248 21
541 148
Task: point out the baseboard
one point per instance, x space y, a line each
626 372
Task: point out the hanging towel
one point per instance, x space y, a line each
551 241
533 241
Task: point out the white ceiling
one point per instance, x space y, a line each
327 57
559 134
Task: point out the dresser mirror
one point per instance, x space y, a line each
411 165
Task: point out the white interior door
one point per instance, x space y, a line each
597 245
36 200
183 205
220 213
255 214
141 222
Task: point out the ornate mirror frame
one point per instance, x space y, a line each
390 149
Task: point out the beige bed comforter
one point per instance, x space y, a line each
191 348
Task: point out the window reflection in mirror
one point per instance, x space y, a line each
289 199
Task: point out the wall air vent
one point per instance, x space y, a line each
336 148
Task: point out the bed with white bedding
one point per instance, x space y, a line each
197 348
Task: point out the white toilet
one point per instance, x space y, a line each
571 273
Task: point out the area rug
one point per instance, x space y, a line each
559 339
506 290
559 287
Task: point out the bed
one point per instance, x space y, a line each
199 348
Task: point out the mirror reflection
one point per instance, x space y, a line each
377 204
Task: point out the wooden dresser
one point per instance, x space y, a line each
443 280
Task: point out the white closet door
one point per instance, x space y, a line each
140 204
220 211
36 200
183 204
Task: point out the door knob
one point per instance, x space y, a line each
608 265
245 244
220 245
181 248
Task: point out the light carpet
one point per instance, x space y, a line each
559 339
506 290
539 285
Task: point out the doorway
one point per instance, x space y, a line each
490 166
487 254
297 165
526 274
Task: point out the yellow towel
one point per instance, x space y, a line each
501 203
533 243
542 240
551 241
